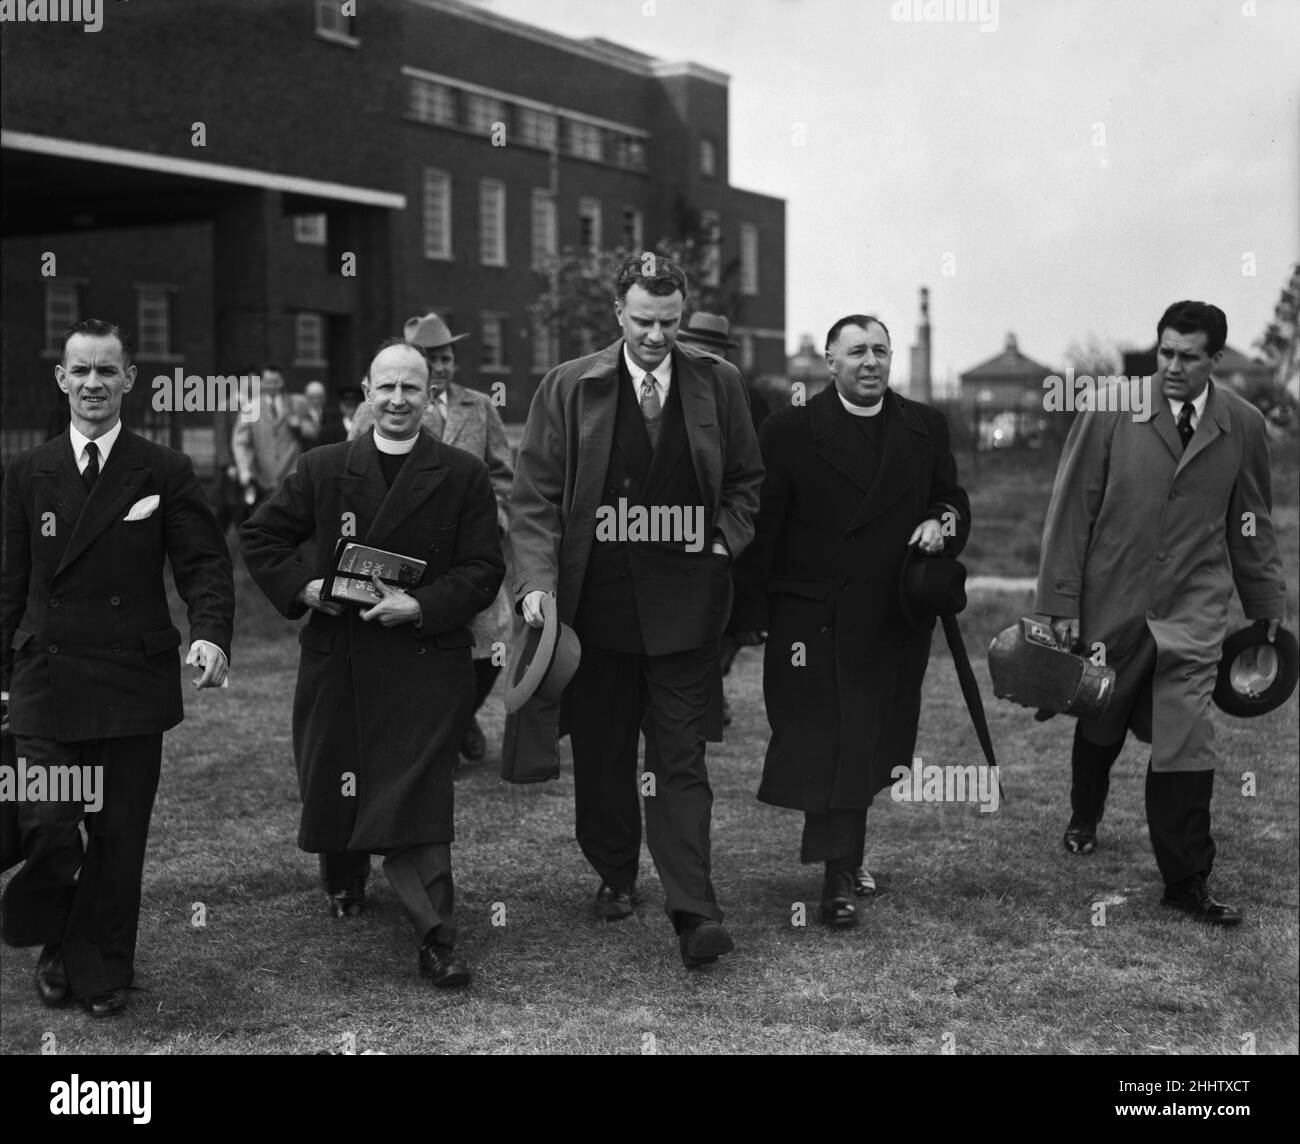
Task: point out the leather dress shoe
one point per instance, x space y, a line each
52 979
347 904
1192 897
1080 836
110 1003
702 941
614 903
838 909
473 744
440 965
864 885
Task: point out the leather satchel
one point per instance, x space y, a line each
1029 667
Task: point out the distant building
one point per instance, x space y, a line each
919 384
289 183
1005 398
808 367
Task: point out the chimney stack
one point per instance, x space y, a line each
919 386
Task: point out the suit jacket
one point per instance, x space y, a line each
267 449
387 704
1142 536
89 648
823 573
560 476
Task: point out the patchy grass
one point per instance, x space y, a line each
983 935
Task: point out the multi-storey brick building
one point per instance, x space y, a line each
242 183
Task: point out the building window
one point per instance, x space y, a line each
632 228
746 353
535 128
708 158
711 233
432 102
310 229
62 309
332 24
545 237
546 346
309 339
482 112
153 322
437 214
748 258
582 140
589 223
628 151
492 222
492 341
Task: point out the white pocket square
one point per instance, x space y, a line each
145 506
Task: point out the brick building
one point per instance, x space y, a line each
243 183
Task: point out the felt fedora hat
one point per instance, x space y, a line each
930 586
705 329
542 660
429 332
1256 676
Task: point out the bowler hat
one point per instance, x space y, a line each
1256 677
429 332
930 586
705 329
542 660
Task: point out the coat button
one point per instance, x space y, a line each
826 631
115 600
117 647
1162 556
53 649
54 603
844 585
421 650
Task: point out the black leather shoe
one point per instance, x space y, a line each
614 903
864 885
838 908
440 965
108 1004
348 904
474 743
1080 837
1193 898
51 979
702 941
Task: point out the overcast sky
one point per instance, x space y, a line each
1078 165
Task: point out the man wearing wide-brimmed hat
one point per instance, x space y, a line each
467 419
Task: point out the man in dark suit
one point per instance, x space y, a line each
853 480
90 661
642 426
384 691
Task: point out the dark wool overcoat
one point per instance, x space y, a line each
842 667
379 712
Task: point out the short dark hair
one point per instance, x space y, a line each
863 320
666 278
388 344
1196 317
95 328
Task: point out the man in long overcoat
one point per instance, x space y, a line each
1150 524
384 693
640 425
853 478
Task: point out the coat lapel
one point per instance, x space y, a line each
1162 421
120 479
700 411
59 481
459 409
416 482
836 441
597 412
1214 420
898 460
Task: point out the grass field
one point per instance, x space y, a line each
983 940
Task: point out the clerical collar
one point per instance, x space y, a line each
859 410
395 448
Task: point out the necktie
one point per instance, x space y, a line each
275 408
437 422
1185 429
91 472
650 406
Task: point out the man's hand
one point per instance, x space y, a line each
1273 625
216 671
310 595
395 605
533 609
1066 630
720 549
928 537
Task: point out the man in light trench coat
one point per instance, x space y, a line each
1150 524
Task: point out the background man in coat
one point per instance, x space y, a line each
90 661
648 424
853 479
266 448
468 420
1149 525
384 692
